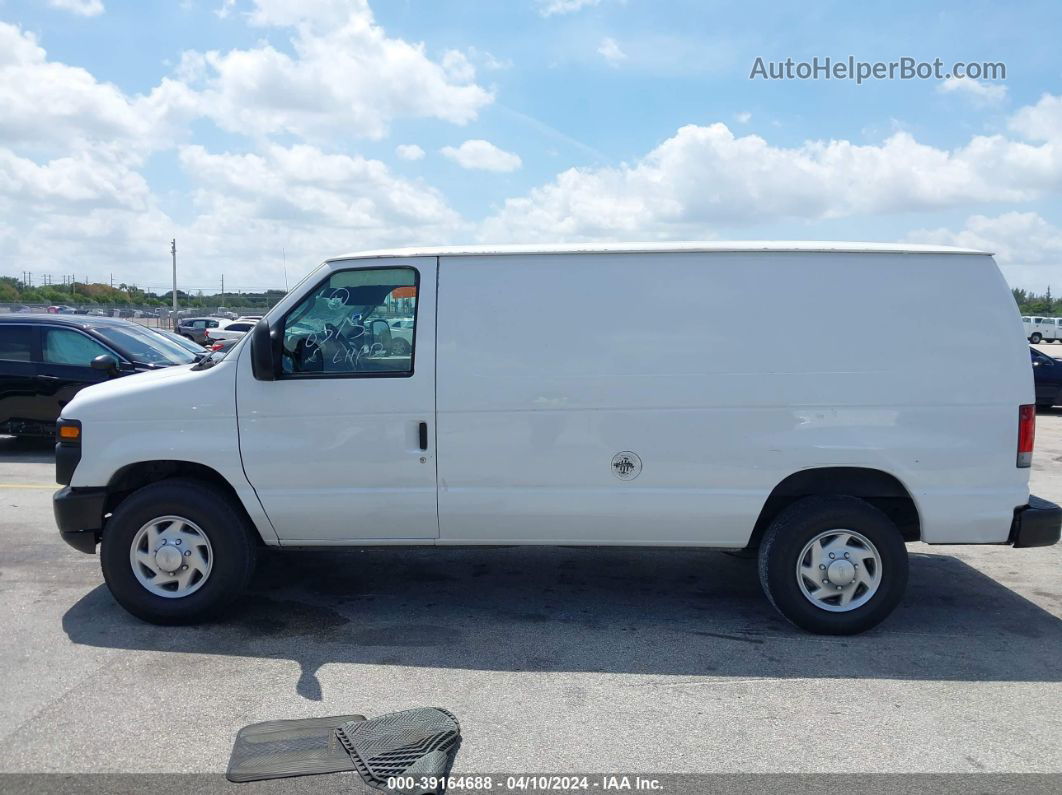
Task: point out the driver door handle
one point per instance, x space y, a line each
423 430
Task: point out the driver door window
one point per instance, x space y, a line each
344 327
65 346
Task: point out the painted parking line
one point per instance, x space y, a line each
51 486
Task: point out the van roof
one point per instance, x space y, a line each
653 248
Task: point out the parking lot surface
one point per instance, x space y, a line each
555 660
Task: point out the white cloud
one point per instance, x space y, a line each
1027 247
409 152
482 155
320 13
980 93
303 185
706 176
249 206
225 9
744 117
50 105
346 77
71 150
246 208
85 8
1039 122
611 52
548 8
83 180
489 60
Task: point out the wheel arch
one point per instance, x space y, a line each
136 475
879 488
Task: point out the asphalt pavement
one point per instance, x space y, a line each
554 659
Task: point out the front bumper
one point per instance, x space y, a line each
79 515
1038 524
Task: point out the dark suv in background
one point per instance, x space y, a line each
46 359
197 328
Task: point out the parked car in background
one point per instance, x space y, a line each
230 331
1047 375
252 319
192 347
46 359
219 349
402 336
1034 330
196 328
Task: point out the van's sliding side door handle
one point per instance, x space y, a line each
423 436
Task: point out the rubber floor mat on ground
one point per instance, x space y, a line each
285 748
413 745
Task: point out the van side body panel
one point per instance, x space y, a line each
549 365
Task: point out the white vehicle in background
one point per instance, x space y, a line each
402 336
503 426
1051 329
230 331
1034 328
252 319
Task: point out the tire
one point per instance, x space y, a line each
783 547
1035 338
229 551
400 348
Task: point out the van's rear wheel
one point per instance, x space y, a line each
177 552
833 565
1035 338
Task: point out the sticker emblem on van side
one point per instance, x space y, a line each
626 465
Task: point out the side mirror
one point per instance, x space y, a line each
263 358
106 363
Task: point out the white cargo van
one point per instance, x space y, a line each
582 395
1049 328
1036 329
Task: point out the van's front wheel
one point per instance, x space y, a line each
833 565
176 552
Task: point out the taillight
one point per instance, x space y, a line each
216 346
1026 434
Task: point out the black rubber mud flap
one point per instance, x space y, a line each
286 748
412 744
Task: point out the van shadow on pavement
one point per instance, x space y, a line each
687 612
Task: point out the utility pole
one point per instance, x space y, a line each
173 251
223 287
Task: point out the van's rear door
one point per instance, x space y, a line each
341 447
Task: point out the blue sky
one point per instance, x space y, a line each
262 130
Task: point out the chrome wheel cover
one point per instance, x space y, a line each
839 570
171 557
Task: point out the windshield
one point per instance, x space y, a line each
143 346
177 339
